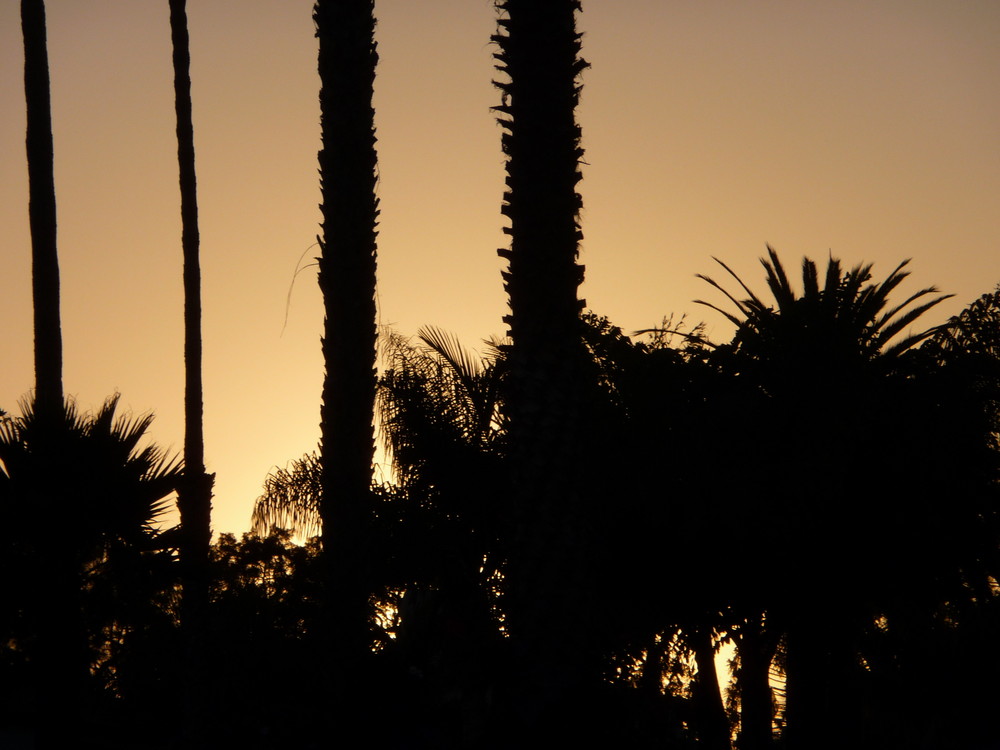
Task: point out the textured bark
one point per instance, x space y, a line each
347 163
539 56
195 493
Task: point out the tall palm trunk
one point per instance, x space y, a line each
61 655
347 163
195 493
42 212
539 53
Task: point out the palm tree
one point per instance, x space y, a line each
347 163
42 211
59 664
439 408
539 58
443 427
195 497
824 378
844 322
438 526
111 492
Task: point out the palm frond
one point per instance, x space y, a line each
886 318
751 295
447 346
729 316
810 279
908 342
847 307
777 280
739 305
900 323
831 283
872 299
849 288
290 499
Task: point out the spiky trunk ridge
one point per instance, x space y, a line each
347 163
539 55
42 212
195 493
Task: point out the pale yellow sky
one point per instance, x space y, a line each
869 129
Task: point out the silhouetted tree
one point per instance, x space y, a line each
444 425
659 572
828 380
59 669
929 651
539 58
195 497
266 601
347 163
438 523
42 211
111 493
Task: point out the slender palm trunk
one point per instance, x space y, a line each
61 654
347 162
42 212
195 493
539 54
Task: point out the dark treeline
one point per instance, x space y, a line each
785 540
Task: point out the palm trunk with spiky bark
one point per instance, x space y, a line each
195 493
539 54
347 161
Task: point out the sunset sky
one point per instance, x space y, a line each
869 129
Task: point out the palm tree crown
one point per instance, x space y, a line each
116 488
839 324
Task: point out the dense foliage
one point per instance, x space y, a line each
814 496
835 531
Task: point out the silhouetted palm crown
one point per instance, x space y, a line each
841 324
824 389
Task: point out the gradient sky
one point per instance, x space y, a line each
867 129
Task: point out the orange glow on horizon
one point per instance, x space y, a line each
710 128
